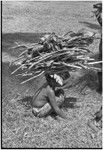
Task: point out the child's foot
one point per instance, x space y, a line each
35 111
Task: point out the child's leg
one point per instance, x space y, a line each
40 100
47 108
43 111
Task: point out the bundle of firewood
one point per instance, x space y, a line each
55 54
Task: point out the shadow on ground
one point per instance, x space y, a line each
69 102
25 37
9 40
90 25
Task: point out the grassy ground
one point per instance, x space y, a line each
19 127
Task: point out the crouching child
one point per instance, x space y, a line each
51 97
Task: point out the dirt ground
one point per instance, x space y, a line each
26 22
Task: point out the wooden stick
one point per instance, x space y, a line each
43 58
23 52
32 78
19 46
85 67
24 46
93 68
87 58
34 58
87 50
47 56
97 69
17 68
24 74
69 65
97 62
17 59
27 49
67 33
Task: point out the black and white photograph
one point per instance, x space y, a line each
51 74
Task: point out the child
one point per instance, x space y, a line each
50 97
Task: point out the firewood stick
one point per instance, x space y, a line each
32 78
97 62
23 52
17 59
18 68
69 65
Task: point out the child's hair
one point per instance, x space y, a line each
51 81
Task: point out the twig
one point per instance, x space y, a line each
69 65
17 59
32 78
17 68
97 62
24 74
23 52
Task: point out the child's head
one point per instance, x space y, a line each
54 80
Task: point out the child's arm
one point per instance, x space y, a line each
47 108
